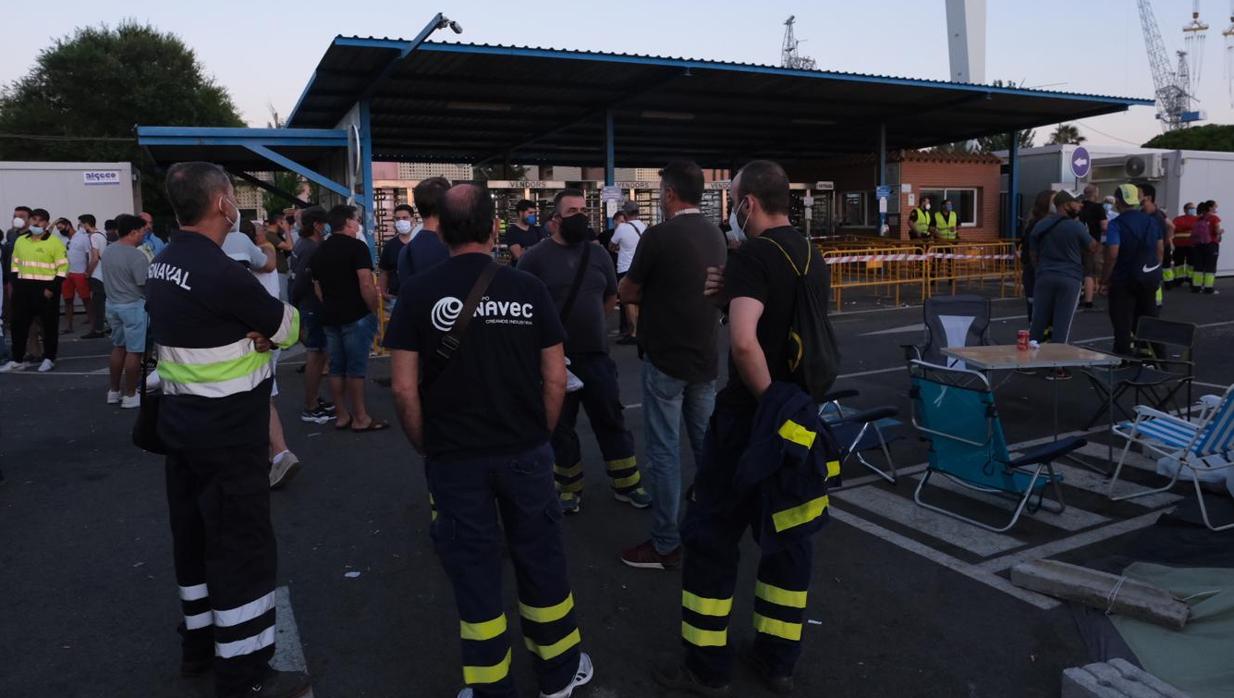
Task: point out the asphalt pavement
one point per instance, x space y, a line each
901 604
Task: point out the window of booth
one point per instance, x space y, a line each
963 201
858 210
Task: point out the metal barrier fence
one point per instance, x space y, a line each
934 268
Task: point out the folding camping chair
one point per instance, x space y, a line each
1155 375
952 321
858 431
1206 444
954 408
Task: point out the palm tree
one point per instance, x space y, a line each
1066 134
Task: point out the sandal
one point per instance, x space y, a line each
374 425
342 426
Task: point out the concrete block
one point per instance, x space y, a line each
1103 591
1115 679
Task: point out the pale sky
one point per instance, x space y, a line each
264 52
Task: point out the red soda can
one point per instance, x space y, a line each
1021 340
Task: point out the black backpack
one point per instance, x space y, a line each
813 355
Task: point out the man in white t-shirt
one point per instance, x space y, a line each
93 244
624 243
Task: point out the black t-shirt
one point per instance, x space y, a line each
557 265
677 324
334 266
1091 215
524 238
759 270
388 263
489 400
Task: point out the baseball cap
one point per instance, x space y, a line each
1128 193
1063 197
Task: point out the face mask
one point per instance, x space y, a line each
326 230
235 223
359 232
531 220
737 232
1108 207
1190 211
19 222
36 230
927 206
402 227
574 228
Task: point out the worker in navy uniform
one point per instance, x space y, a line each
766 458
214 325
480 405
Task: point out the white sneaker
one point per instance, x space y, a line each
582 677
130 402
11 366
283 469
46 366
113 397
152 381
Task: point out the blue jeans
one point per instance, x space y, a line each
666 400
349 346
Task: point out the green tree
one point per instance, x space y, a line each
1210 137
1066 134
85 93
285 180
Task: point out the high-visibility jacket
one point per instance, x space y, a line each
40 260
946 223
921 224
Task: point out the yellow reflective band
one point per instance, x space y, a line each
487 674
833 468
792 431
576 469
621 463
487 630
40 265
802 514
779 596
703 638
547 652
546 614
778 628
705 606
30 276
623 482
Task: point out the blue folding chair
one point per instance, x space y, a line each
954 409
858 431
1204 445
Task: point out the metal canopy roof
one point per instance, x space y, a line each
477 103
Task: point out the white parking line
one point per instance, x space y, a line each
1070 519
288 652
905 512
1079 540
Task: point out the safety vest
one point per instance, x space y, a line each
40 260
921 225
946 224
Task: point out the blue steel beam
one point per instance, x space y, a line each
289 164
178 135
366 175
1013 185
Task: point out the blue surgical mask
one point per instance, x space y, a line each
36 230
1108 207
736 233
1190 212
325 231
531 220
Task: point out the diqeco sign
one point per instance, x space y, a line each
100 177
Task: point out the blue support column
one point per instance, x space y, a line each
882 172
1013 186
366 177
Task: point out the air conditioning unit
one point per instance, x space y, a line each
1149 166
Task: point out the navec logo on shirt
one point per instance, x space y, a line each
445 312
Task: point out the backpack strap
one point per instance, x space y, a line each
789 257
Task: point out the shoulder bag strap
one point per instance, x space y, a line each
452 340
584 257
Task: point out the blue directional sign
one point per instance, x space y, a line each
1081 163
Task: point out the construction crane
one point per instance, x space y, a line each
1229 55
1194 34
789 56
1171 85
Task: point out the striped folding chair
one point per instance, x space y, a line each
1204 445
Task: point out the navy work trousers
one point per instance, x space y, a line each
600 397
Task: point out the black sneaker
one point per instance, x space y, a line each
1210 291
1088 305
325 405
775 683
675 676
281 684
316 416
93 335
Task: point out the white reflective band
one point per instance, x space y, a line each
26 276
207 355
197 591
240 614
283 333
219 389
248 645
201 620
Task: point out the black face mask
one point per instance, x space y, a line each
1073 214
574 228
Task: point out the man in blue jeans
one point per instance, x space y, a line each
677 329
342 273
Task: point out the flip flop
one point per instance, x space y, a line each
342 426
375 425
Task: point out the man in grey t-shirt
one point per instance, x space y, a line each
556 262
124 279
1057 245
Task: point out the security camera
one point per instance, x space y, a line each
458 28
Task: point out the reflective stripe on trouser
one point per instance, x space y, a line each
600 398
711 535
219 502
468 495
1205 259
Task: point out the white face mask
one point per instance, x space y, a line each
36 230
926 206
360 232
736 232
235 224
19 222
402 227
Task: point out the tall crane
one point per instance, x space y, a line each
1229 54
789 56
1194 34
1172 89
